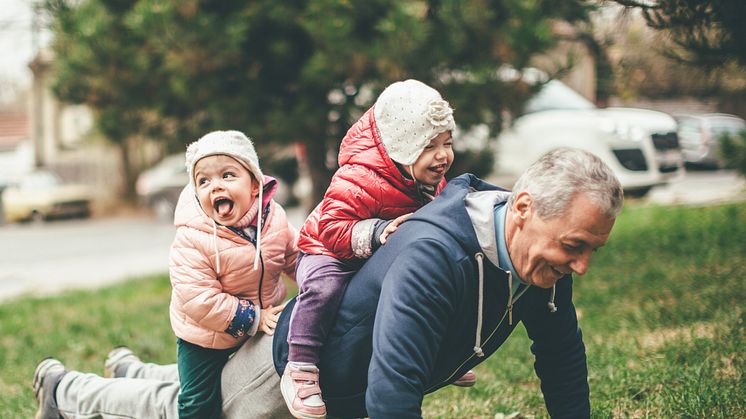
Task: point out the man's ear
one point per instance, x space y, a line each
523 206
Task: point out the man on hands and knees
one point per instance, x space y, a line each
441 296
450 286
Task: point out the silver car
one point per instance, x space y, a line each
700 136
639 145
160 186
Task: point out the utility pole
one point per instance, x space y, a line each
37 86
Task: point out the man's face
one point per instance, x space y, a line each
543 251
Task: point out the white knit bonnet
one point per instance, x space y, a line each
238 146
409 114
229 143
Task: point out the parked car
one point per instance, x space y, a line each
3 185
639 145
41 195
160 186
700 136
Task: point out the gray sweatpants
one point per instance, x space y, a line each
250 386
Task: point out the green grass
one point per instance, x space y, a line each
662 311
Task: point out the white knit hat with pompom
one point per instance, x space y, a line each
408 115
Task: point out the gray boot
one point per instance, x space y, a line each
47 377
117 362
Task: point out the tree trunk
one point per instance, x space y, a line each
316 152
128 174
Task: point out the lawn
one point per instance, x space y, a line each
662 311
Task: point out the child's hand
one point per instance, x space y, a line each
268 319
392 227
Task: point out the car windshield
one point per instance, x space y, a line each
40 180
555 95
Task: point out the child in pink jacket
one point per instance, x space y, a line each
232 243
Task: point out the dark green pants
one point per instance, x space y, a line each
199 374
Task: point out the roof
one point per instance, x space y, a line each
14 128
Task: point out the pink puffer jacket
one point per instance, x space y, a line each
204 303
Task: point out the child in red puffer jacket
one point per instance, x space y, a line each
391 162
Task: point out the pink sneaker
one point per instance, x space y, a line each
301 391
466 380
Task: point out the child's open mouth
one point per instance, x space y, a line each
223 206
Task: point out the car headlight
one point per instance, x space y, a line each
624 131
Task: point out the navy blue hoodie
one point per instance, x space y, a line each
408 321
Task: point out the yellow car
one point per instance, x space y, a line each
41 195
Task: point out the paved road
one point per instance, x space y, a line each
47 258
82 253
43 259
700 188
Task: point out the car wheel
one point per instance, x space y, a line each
637 193
86 213
37 217
163 209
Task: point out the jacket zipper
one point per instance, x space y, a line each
261 280
508 312
473 354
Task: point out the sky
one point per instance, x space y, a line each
16 45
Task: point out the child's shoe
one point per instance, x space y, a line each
301 391
466 380
47 377
117 362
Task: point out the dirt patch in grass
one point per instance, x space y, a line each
621 411
656 339
728 370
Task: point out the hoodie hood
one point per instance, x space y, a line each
480 205
450 213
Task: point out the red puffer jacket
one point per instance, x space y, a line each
366 185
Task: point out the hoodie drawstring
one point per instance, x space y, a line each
215 245
478 342
550 304
510 298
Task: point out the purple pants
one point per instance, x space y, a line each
322 281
